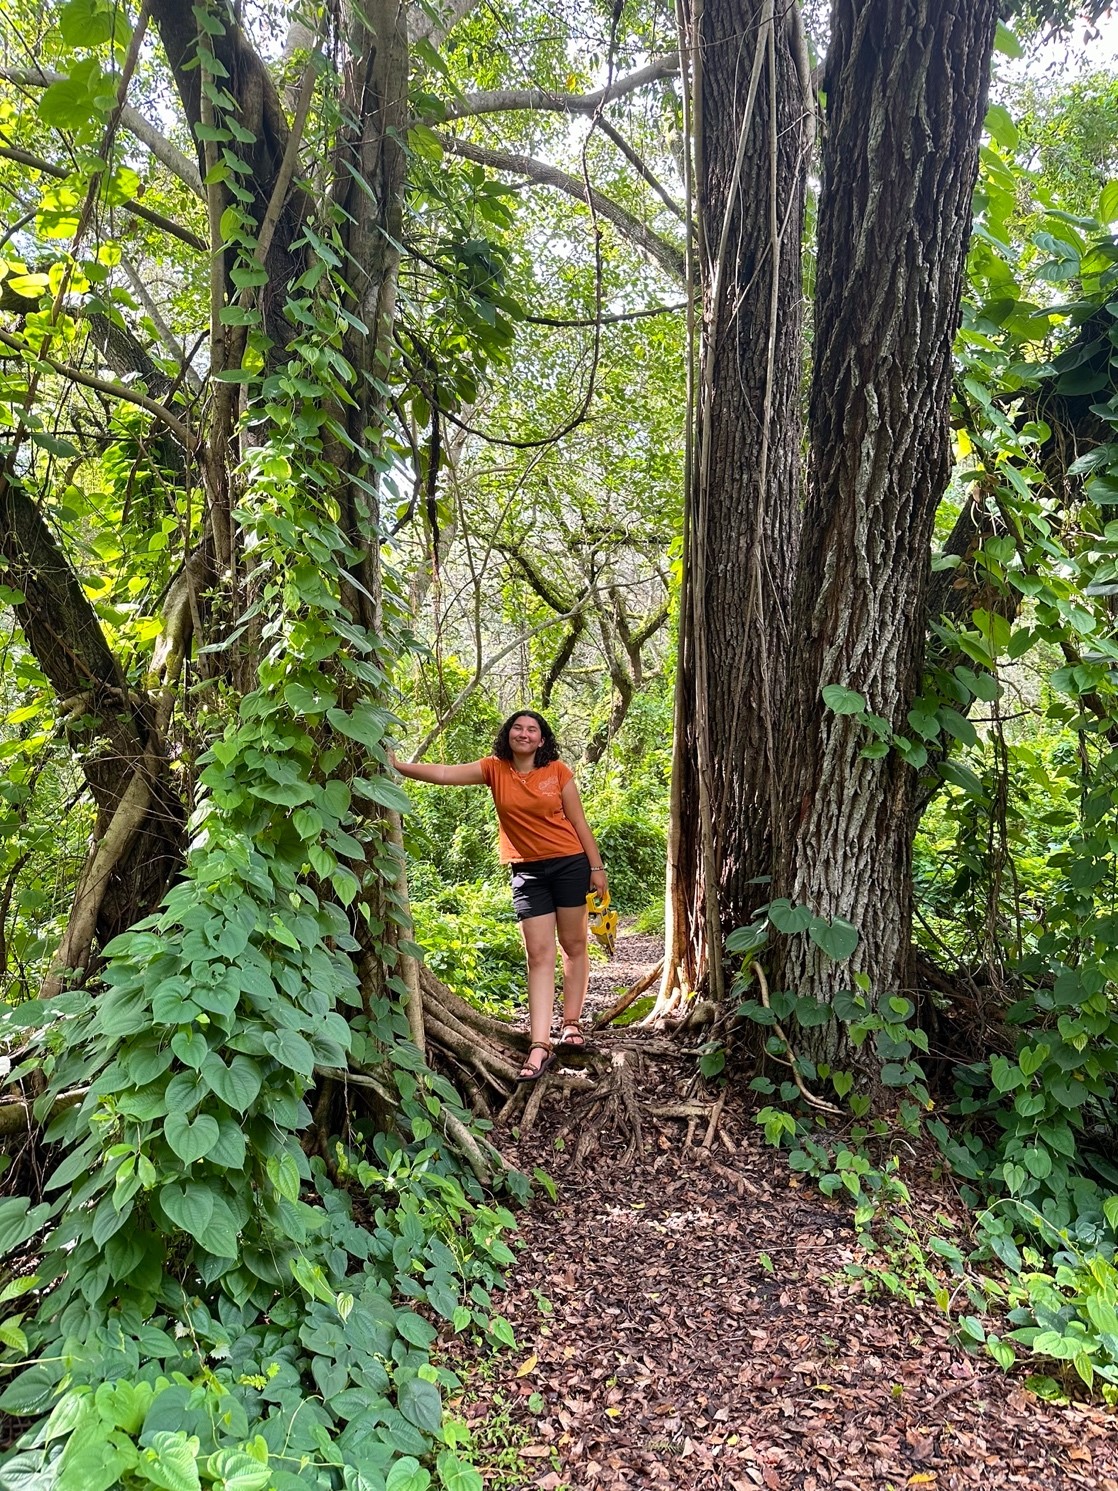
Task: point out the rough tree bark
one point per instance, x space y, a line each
112 728
754 114
906 91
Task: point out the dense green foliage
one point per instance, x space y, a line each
1015 872
256 1205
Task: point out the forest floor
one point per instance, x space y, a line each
688 1323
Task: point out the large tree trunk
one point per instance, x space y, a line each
753 113
906 95
114 729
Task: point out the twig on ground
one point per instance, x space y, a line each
631 994
712 1127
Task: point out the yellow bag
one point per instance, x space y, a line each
603 920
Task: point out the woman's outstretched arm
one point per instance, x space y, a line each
572 806
467 774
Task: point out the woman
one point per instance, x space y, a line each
547 842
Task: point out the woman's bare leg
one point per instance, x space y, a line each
571 925
538 933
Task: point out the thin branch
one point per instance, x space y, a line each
456 704
641 169
112 389
171 344
808 1096
504 101
609 318
665 254
157 220
134 122
287 167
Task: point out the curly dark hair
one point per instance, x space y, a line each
548 751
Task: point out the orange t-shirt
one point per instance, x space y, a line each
530 810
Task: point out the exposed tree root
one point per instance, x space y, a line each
611 1106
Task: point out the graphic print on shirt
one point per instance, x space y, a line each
530 812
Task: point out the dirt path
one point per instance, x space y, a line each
689 1325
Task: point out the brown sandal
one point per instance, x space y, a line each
533 1074
572 1036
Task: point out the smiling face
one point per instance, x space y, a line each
525 735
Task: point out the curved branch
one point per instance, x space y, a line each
508 100
113 390
669 258
157 220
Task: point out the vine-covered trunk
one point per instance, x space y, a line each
753 138
906 95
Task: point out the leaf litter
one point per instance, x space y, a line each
684 1322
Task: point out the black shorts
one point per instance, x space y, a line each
540 885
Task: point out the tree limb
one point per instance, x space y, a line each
658 249
93 883
508 100
112 389
157 220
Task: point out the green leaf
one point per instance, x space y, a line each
381 790
812 1013
90 1463
407 1475
1001 127
743 941
1015 1177
283 1173
841 700
790 919
231 1148
32 1392
420 1403
236 1084
71 102
1037 1161
957 725
191 1047
86 23
962 776
220 1235
1006 42
171 1461
189 1208
191 1140
20 1221
365 724
1031 1058
236 1471
837 938
456 1475
1108 203
290 1050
